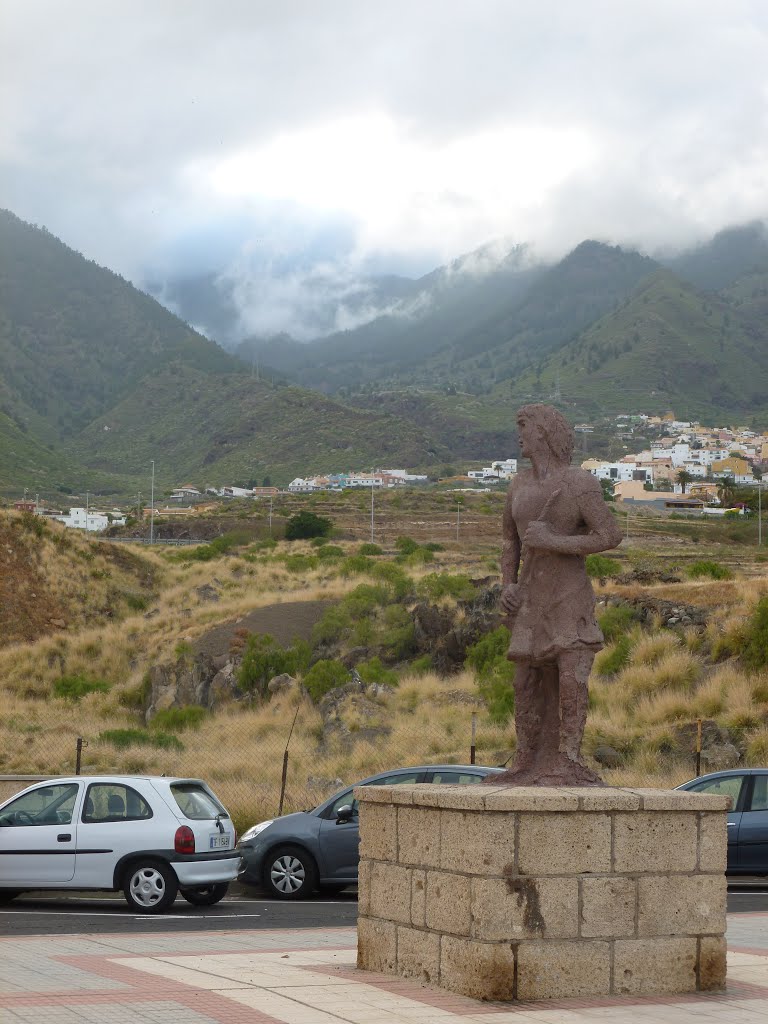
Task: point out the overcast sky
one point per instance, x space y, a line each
177 135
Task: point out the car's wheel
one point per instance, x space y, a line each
205 895
290 873
150 886
6 895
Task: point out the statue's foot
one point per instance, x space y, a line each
559 770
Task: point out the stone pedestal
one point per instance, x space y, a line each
513 893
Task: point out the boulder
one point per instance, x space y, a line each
281 684
607 756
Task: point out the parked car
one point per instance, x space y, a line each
296 854
150 837
747 819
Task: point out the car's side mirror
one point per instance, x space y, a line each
344 813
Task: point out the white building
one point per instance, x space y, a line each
93 522
302 486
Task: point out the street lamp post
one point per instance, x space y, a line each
152 507
760 514
373 471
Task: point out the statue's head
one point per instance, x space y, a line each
542 426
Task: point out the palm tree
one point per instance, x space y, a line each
684 478
726 490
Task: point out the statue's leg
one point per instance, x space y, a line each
528 713
574 668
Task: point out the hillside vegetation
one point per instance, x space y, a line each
675 652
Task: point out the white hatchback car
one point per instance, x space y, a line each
151 837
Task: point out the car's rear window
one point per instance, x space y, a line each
195 802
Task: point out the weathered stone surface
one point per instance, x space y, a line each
680 800
418 954
659 841
478 844
419 898
364 887
652 966
532 798
448 903
378 831
713 842
607 756
573 843
418 837
681 905
390 893
608 907
283 683
560 970
481 970
712 963
376 945
519 907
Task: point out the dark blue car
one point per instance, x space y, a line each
293 856
747 819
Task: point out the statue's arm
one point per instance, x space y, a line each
603 533
510 550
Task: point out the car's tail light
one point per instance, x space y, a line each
184 841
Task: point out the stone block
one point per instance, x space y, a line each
480 970
532 798
713 842
419 898
364 887
376 945
712 957
607 799
563 970
378 831
657 841
680 800
653 966
418 954
458 798
390 893
681 905
564 844
477 844
522 907
418 837
608 907
448 902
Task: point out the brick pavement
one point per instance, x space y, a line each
309 977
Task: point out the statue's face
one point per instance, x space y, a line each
530 436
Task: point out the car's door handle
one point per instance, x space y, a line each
64 837
731 824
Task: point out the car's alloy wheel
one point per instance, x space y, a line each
205 895
291 874
150 886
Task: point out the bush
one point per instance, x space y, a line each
398 637
755 653
122 738
305 525
395 577
264 659
136 602
613 659
301 563
442 584
374 671
189 717
711 570
365 599
599 565
330 551
75 687
355 565
325 675
495 673
616 621
369 549
216 549
406 545
331 626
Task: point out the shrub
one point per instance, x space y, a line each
600 565
398 637
325 675
495 673
421 665
264 659
305 525
330 627
356 564
301 563
319 542
122 738
406 545
369 549
329 551
442 584
616 621
755 653
613 659
189 717
216 549
374 671
707 569
136 697
395 577
75 687
365 599
136 602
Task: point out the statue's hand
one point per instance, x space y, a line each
539 535
511 598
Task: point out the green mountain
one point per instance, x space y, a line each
667 347
733 254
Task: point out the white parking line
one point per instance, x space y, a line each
126 916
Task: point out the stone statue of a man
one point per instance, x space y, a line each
555 515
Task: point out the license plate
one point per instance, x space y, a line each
218 842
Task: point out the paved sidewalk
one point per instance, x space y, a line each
309 977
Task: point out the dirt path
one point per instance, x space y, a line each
285 622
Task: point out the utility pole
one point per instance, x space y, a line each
627 522
152 508
270 516
458 518
372 500
87 509
760 514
